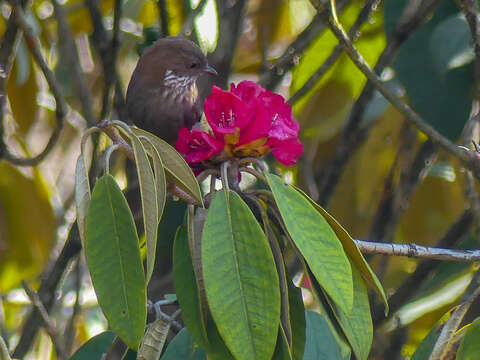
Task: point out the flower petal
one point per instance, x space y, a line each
225 112
287 152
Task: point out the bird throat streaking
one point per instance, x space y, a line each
162 95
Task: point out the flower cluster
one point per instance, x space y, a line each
245 121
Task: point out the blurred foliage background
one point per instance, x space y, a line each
379 176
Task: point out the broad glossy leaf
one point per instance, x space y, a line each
27 223
443 99
113 258
182 347
148 192
241 281
95 348
357 326
320 344
82 195
187 289
316 241
160 180
177 169
154 340
470 346
282 349
282 276
352 250
297 320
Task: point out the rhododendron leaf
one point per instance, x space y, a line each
240 278
352 251
316 241
176 169
113 258
187 287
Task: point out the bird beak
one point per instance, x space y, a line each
210 70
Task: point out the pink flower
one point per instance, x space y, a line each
248 120
287 152
226 113
197 145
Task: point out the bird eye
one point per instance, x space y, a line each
193 65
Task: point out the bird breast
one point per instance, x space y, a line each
180 88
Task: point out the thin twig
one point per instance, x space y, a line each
354 134
353 33
469 159
47 323
417 251
110 60
102 43
70 51
61 106
413 283
47 291
444 341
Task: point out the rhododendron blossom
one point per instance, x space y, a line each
248 120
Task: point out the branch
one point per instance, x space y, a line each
70 51
272 77
409 287
187 27
61 106
417 251
470 159
353 136
47 291
47 323
103 44
353 33
163 17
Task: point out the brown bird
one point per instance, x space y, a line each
162 96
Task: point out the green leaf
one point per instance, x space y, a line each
153 340
148 193
282 350
95 347
297 320
470 346
240 278
183 347
443 99
113 258
316 241
178 171
451 44
160 180
357 326
82 195
352 250
320 343
426 346
187 288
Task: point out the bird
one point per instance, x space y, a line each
162 95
